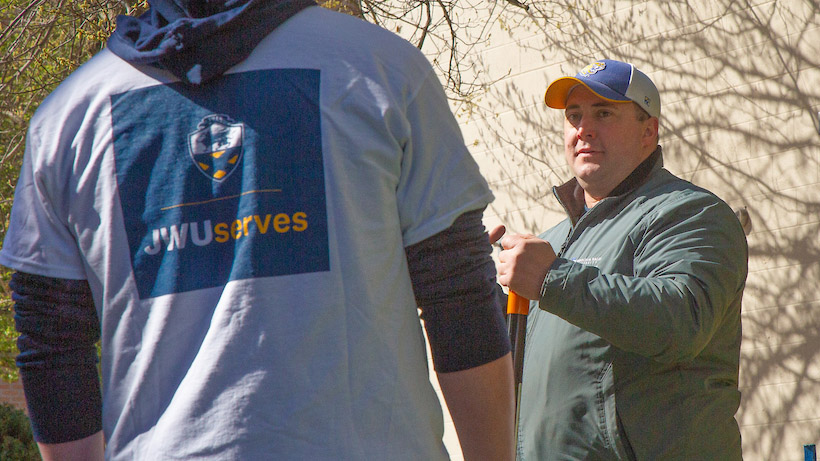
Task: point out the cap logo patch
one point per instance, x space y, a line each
592 69
646 100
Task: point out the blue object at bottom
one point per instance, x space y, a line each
810 452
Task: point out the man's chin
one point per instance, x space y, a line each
587 172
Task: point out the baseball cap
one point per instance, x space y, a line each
612 80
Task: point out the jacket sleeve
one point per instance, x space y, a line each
689 270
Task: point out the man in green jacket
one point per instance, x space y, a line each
634 350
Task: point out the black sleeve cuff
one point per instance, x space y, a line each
63 404
454 283
58 328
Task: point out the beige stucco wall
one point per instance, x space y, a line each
740 86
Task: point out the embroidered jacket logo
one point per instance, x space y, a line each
216 146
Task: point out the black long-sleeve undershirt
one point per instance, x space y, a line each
453 280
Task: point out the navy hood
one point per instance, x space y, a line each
198 40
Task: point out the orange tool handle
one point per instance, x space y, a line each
517 304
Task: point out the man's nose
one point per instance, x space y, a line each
585 128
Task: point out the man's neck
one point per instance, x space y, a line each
590 200
635 178
574 198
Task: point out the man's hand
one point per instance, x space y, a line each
524 262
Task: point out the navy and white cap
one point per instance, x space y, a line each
612 80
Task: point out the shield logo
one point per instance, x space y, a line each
216 146
593 68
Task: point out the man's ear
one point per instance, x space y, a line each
650 134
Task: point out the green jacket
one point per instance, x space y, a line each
635 349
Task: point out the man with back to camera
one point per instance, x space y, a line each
247 200
634 352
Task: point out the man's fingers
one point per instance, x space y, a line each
511 240
524 263
497 233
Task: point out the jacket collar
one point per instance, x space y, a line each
571 196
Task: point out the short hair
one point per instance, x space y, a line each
640 112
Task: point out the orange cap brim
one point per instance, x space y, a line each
557 92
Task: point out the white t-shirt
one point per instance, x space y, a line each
244 243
